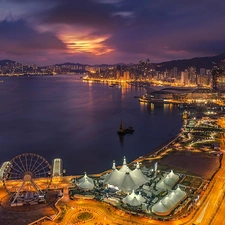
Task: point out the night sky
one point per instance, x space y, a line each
46 32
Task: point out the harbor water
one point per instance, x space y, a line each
64 117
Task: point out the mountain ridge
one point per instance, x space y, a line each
206 62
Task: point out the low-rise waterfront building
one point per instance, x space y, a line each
167 204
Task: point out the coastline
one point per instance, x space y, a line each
192 162
157 150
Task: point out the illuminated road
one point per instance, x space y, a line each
102 213
211 203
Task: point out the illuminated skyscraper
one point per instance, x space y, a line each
218 77
184 77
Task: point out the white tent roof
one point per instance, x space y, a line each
124 167
171 178
168 182
125 183
125 180
85 177
86 182
133 199
140 198
179 193
113 175
86 185
138 177
169 202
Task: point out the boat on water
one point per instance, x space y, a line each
115 85
125 130
145 98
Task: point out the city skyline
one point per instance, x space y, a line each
109 31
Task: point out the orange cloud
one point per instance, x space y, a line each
86 44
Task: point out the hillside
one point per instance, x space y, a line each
6 62
182 64
198 62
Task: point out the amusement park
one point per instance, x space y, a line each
26 178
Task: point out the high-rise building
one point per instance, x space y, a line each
184 77
202 71
174 72
218 77
126 75
118 74
202 80
192 76
144 68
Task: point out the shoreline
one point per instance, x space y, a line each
154 153
157 151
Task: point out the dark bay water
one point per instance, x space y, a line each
62 116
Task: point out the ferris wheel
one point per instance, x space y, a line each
27 178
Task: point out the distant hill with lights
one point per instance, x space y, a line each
5 62
182 64
198 62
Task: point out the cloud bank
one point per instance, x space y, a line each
112 31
